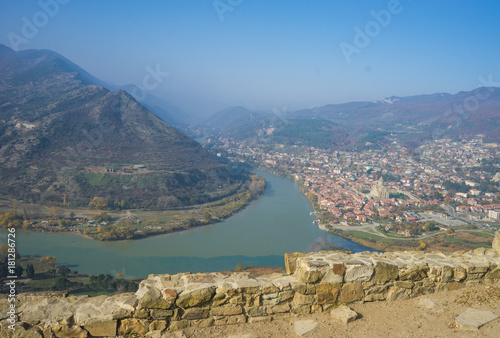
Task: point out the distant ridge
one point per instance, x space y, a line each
412 119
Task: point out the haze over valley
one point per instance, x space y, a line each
199 163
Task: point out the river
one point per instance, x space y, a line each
276 223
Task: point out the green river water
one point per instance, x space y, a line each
277 222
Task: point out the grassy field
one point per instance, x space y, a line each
439 241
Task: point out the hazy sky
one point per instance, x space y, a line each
266 54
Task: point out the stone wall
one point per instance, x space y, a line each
314 282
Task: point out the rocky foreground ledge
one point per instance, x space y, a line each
315 282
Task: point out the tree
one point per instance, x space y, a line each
422 245
30 271
62 283
49 260
71 215
239 267
55 212
102 217
19 270
64 271
98 202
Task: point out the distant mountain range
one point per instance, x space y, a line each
63 135
412 119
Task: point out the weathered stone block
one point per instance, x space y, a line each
374 292
404 284
415 273
102 328
327 293
202 322
459 274
338 269
238 299
474 270
344 314
357 273
256 311
253 300
196 313
332 278
385 272
268 288
155 303
304 289
151 298
318 263
396 293
285 296
179 325
169 293
160 314
228 310
351 292
446 274
493 273
283 308
158 325
309 275
129 326
195 298
300 299
291 261
69 331
142 313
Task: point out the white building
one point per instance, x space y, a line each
494 214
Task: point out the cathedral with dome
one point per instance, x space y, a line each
379 190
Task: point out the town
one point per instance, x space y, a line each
440 185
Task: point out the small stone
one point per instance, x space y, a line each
426 303
344 314
473 319
304 326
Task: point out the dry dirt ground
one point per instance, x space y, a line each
402 318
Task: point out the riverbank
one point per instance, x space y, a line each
108 225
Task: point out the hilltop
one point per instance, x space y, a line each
64 138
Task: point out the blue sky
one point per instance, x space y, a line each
266 54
